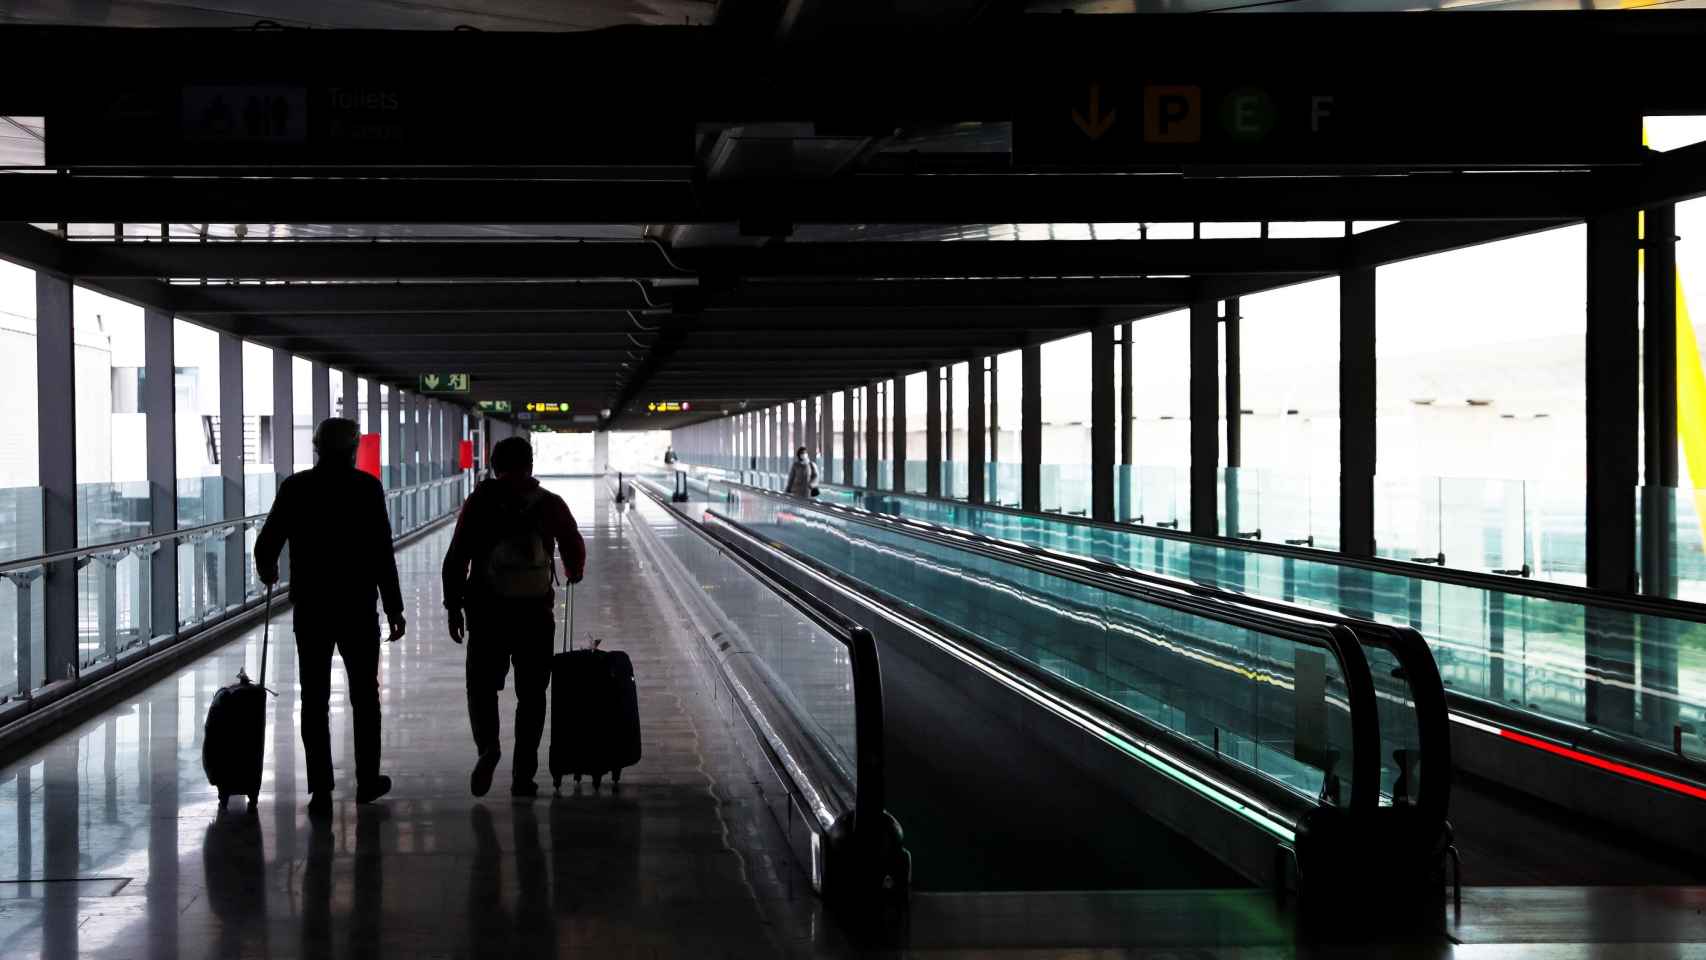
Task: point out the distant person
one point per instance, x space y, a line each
499 570
333 516
802 476
669 455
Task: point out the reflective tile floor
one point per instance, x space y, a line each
111 846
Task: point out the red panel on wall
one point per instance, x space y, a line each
467 454
367 455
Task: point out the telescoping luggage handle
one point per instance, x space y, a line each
569 627
266 637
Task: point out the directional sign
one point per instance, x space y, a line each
669 406
444 382
494 406
547 407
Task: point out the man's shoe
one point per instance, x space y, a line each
369 792
481 781
524 789
320 804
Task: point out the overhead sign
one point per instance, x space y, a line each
444 382
547 407
669 406
1179 117
494 406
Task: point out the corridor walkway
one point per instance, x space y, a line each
110 844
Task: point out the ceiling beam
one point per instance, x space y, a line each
319 260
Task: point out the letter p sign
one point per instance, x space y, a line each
1172 114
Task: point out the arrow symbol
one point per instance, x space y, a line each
1098 122
431 380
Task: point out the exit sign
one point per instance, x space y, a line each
444 382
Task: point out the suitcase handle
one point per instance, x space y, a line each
569 622
266 637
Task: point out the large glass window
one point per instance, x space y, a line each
20 493
860 451
1689 510
1157 485
1065 473
1003 475
1287 486
259 481
113 501
302 417
917 387
201 490
956 420
885 435
1481 409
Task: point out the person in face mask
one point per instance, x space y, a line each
802 476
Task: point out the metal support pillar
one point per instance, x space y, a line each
56 434
375 410
849 434
1031 429
1102 418
230 589
320 393
159 402
350 404
1357 437
283 418
811 428
898 427
1205 418
933 431
1613 423
1658 358
975 430
873 442
1125 508
1234 417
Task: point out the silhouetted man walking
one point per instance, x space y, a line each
499 568
334 518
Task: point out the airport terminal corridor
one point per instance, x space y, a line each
119 850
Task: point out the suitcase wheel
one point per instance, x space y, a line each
557 784
595 779
616 775
223 796
253 799
577 778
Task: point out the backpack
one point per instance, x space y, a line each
518 566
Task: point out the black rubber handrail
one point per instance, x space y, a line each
1336 639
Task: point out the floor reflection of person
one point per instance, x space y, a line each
234 869
529 929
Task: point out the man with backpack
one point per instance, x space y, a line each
498 569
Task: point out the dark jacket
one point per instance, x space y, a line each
341 560
478 529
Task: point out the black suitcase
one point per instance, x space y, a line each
233 743
595 712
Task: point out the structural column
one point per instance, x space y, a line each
1357 439
1234 418
873 443
1031 429
1613 423
933 431
57 439
320 393
1658 357
848 441
159 402
975 427
1102 418
283 417
351 403
375 410
897 426
1205 417
231 455
1128 417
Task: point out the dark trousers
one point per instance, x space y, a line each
359 647
499 635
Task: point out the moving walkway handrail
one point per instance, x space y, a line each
1336 639
873 829
1493 582
1415 658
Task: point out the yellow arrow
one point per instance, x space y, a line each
1098 123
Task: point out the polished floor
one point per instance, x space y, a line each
111 844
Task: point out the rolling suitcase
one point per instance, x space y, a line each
234 739
595 713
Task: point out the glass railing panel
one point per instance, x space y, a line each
20 522
200 500
1003 483
113 511
1065 488
22 655
113 607
812 667
916 475
1271 702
